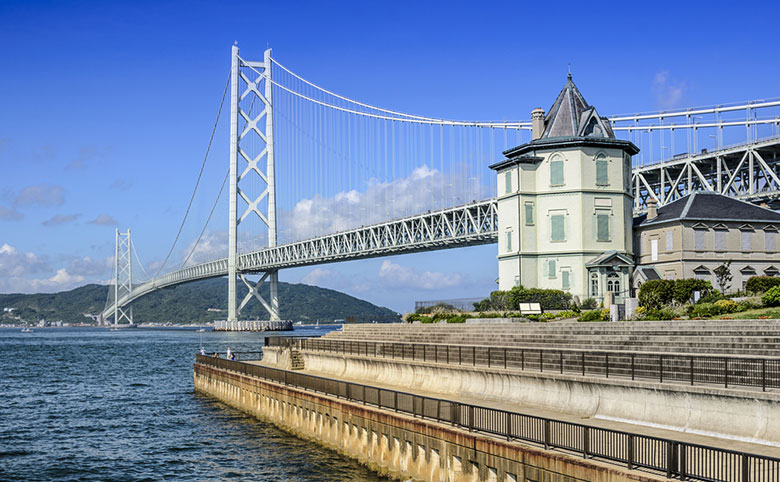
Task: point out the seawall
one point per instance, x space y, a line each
753 416
399 445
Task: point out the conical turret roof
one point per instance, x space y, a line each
572 116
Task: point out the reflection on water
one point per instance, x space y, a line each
90 404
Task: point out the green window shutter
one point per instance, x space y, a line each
602 227
551 268
565 280
602 172
558 232
529 214
509 240
556 173
508 180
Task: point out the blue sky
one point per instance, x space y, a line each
106 107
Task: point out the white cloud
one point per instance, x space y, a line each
14 263
397 276
61 281
41 195
318 277
381 201
214 245
668 93
10 214
104 220
86 266
61 219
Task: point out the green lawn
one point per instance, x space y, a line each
773 313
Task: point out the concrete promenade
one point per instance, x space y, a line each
712 441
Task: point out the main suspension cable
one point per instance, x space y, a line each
213 207
200 174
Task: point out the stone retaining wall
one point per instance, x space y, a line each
728 413
398 445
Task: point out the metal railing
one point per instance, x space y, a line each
726 371
670 457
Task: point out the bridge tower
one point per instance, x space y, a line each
123 276
251 81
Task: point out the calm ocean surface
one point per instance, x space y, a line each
92 404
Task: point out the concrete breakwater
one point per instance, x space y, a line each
278 325
753 416
400 445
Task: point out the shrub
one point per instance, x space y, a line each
548 299
567 314
684 288
655 294
456 319
749 304
592 315
772 297
761 284
727 306
589 304
703 310
714 296
426 319
497 301
660 314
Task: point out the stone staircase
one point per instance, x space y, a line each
726 337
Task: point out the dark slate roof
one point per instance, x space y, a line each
571 116
710 206
650 274
569 123
512 161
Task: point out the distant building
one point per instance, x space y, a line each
692 236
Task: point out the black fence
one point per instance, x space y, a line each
727 371
673 458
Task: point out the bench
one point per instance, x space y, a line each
530 308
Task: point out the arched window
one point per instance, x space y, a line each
556 170
594 284
602 170
613 283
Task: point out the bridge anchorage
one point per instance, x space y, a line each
388 183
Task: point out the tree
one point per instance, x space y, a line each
723 276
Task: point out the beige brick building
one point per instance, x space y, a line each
692 236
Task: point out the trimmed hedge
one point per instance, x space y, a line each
761 284
509 300
656 294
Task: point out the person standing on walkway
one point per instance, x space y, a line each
228 353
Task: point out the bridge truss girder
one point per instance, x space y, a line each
748 172
468 225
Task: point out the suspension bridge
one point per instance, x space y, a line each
315 177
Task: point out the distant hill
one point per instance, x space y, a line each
190 303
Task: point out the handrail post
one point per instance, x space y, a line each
473 355
541 361
471 418
582 358
745 468
561 362
488 357
630 460
691 371
660 368
607 367
633 368
505 362
763 374
585 441
546 434
508 426
726 372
